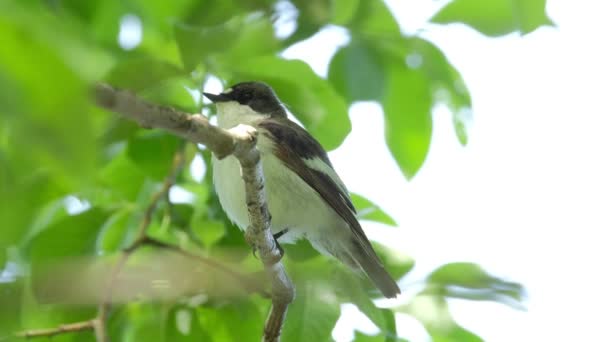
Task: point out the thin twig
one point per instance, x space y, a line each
62 329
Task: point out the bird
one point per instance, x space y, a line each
306 197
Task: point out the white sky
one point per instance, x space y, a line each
527 198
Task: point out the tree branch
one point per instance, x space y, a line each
239 141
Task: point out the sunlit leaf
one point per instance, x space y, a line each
407 108
367 210
496 17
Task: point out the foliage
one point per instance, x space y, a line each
74 180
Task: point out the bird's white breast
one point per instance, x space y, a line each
293 204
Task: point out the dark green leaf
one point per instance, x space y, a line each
367 210
311 99
496 17
407 108
121 180
312 316
153 152
356 72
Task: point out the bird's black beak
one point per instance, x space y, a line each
217 98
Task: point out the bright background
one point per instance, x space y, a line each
527 198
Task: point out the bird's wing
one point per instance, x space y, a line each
302 154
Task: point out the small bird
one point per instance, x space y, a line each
305 196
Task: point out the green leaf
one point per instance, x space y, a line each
120 180
367 210
311 98
356 72
153 152
374 19
312 316
496 17
407 109
240 38
469 281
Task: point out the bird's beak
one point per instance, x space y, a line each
217 98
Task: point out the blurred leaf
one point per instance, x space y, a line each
10 298
407 108
311 99
141 72
312 316
138 322
496 17
367 210
237 39
470 281
153 152
177 93
183 325
356 72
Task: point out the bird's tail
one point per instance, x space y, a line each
363 256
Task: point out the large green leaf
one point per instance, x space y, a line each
407 108
496 17
312 316
237 321
141 72
311 98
